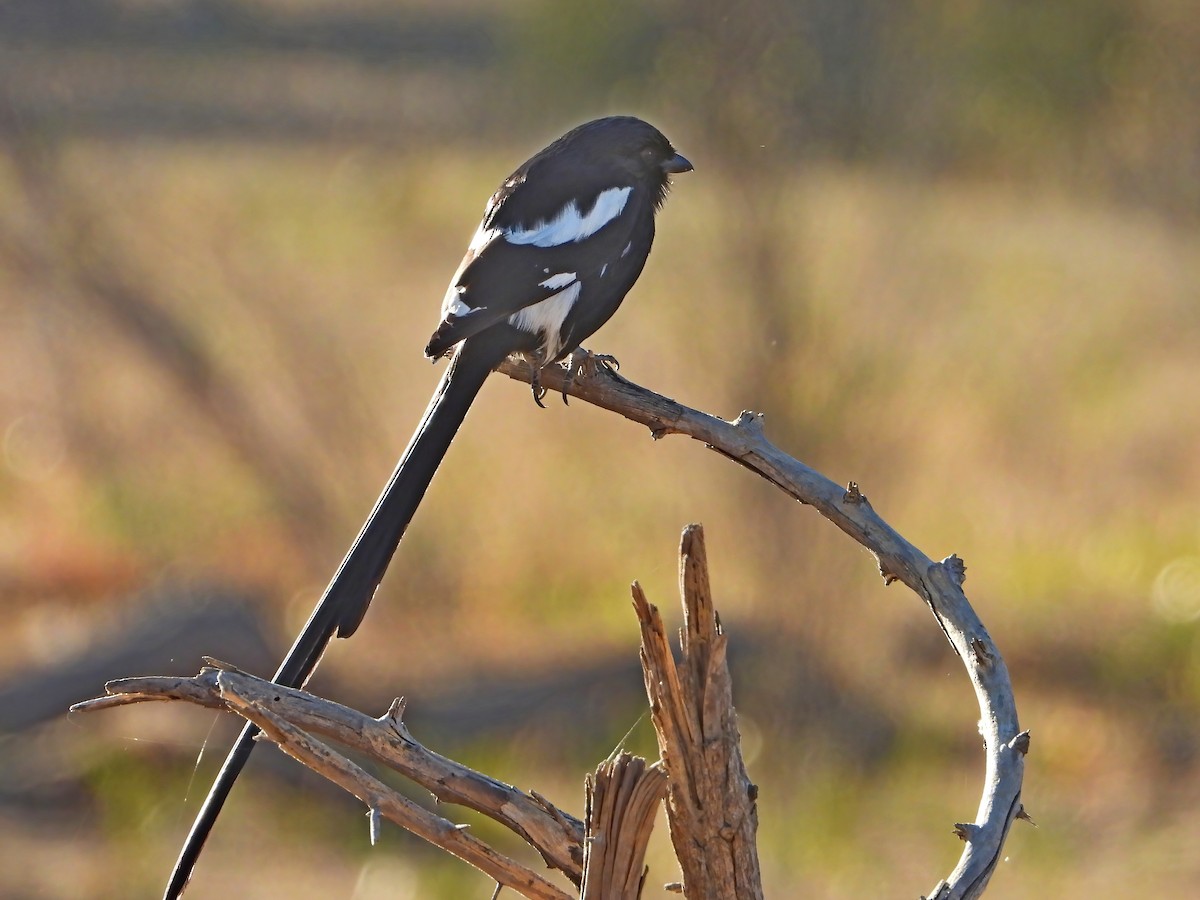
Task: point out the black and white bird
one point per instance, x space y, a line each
561 243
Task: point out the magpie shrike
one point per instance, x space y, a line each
561 243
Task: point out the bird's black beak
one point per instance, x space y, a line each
676 165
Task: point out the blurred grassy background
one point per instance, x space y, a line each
951 249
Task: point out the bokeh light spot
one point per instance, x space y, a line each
1176 590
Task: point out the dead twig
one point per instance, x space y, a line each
938 584
556 835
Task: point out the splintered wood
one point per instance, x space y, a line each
622 799
711 805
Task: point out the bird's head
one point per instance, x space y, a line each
627 145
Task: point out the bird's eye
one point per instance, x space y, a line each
648 153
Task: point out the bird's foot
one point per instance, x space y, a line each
584 364
535 383
588 364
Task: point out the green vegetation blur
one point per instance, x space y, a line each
950 249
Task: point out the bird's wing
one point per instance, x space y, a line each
532 245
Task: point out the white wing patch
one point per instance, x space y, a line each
547 317
570 225
561 280
453 304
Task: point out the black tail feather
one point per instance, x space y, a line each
344 603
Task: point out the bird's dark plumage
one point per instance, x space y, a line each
564 238
561 243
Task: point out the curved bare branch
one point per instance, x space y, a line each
939 584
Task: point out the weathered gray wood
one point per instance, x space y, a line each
938 584
557 836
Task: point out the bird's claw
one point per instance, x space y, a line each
581 363
585 364
536 384
588 364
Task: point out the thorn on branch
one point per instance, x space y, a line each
394 719
1020 743
395 713
749 421
853 495
956 568
964 831
1025 817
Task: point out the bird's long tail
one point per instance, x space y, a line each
344 603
